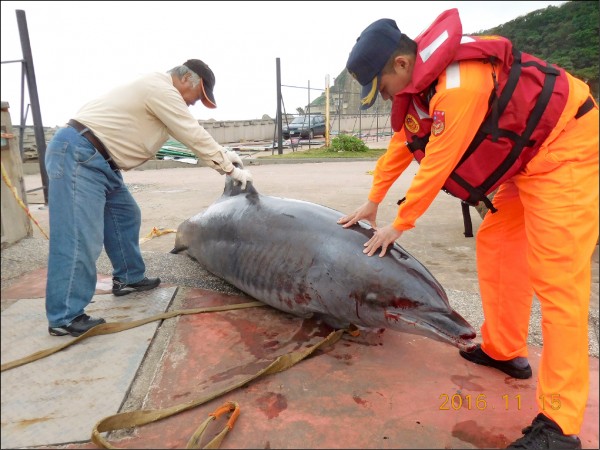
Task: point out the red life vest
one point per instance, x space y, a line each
525 105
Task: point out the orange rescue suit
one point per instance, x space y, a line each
541 240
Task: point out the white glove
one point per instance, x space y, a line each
234 157
241 175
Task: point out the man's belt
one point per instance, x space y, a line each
97 143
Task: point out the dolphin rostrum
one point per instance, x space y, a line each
292 255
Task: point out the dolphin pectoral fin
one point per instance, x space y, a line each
179 247
334 322
177 250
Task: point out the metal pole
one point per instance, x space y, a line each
308 107
377 118
327 138
23 113
279 125
340 93
359 123
34 100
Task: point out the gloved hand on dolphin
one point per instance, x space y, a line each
239 174
233 157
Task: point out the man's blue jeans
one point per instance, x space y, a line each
89 206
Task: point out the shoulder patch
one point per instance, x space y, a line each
439 122
411 123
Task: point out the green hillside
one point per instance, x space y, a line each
565 35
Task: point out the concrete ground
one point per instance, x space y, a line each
378 390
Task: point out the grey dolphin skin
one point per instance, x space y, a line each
293 256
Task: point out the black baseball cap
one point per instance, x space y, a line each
368 57
207 80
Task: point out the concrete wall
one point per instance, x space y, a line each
233 131
15 221
241 131
229 131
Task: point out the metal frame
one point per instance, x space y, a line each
28 74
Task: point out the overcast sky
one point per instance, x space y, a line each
82 49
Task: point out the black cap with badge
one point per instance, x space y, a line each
369 56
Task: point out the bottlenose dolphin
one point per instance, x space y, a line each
292 255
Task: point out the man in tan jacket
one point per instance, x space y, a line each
89 203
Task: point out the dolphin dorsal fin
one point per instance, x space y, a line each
232 188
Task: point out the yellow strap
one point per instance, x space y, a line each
228 407
141 417
155 232
115 327
19 201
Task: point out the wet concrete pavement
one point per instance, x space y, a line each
377 390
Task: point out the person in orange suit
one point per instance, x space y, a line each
459 102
